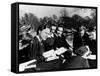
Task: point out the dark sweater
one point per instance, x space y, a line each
76 62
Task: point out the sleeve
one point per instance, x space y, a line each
36 51
33 50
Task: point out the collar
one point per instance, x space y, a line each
39 38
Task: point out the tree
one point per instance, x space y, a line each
30 19
63 12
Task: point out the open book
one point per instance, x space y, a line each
52 54
49 55
60 51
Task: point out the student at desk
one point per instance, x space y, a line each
38 49
79 61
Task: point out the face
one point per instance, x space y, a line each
70 37
60 31
92 35
82 32
53 29
45 33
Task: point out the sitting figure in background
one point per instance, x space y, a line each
81 38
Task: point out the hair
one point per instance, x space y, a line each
60 25
91 29
41 27
81 51
80 28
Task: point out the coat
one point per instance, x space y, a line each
76 62
37 49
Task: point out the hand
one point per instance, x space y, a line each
22 67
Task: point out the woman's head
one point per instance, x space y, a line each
60 30
82 51
53 28
44 32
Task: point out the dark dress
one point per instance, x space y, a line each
49 43
37 49
93 47
23 53
79 41
82 41
60 42
76 62
36 53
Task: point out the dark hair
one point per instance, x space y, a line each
91 29
81 51
41 27
61 25
54 25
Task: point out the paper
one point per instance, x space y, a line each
60 51
48 53
92 57
52 58
56 52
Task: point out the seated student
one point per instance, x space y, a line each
78 61
61 42
37 47
37 50
60 39
81 38
69 40
49 42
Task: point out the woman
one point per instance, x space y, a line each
78 61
